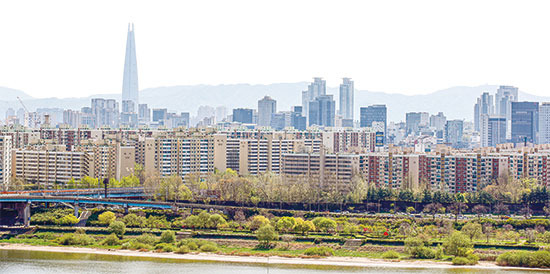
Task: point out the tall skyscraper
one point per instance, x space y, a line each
503 105
130 78
484 105
266 107
322 111
544 123
315 89
346 99
525 117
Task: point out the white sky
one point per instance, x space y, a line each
76 48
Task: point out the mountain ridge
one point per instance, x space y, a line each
186 98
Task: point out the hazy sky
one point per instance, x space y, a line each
76 48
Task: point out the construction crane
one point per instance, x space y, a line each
24 107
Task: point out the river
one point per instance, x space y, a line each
23 261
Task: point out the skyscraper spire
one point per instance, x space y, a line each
130 79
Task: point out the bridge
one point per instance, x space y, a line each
15 209
122 192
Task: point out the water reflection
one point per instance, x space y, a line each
20 261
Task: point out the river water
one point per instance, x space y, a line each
19 261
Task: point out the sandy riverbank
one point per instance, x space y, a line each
207 257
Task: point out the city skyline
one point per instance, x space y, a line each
171 53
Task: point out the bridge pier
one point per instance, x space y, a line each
27 214
76 208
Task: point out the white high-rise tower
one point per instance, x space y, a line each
130 78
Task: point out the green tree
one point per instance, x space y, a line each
472 230
258 221
118 228
457 244
304 226
106 218
286 224
266 234
214 220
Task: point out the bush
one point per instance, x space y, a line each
524 259
323 251
471 259
165 247
75 239
168 237
417 248
67 220
133 220
193 246
147 239
209 248
390 255
117 227
183 250
106 218
110 240
135 245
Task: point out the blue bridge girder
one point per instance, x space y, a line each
83 200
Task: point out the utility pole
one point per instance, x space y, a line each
105 183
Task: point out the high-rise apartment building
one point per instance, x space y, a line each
322 111
525 119
266 107
5 160
346 99
130 91
106 112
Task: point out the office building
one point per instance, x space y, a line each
438 121
160 115
415 121
374 113
524 122
493 130
544 123
346 99
315 89
503 105
130 90
144 114
483 106
453 132
106 112
266 107
243 115
297 120
322 111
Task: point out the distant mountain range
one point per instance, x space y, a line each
455 102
